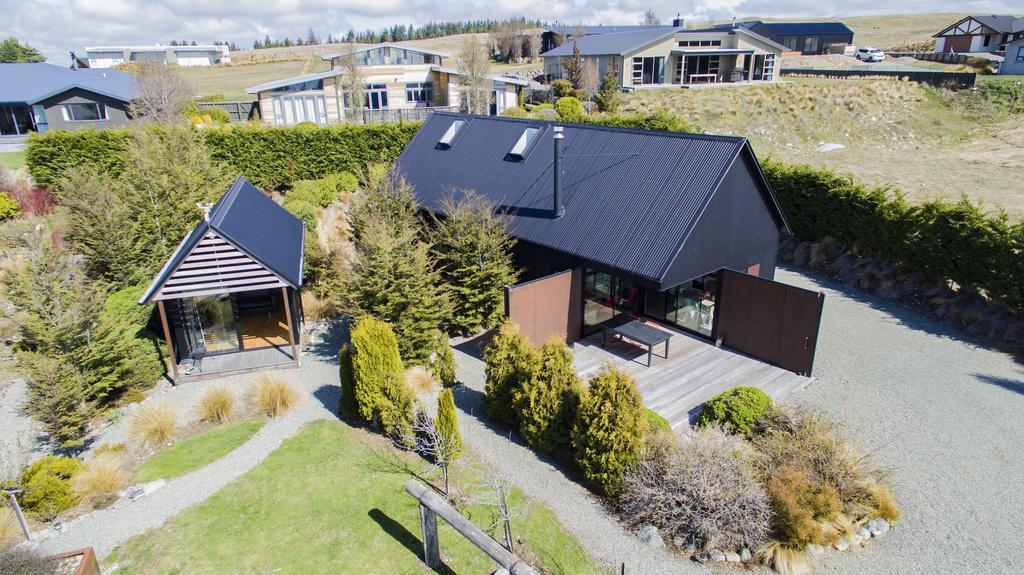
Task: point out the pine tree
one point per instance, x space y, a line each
374 360
609 425
573 67
12 51
475 257
608 95
443 365
546 404
448 425
348 407
509 361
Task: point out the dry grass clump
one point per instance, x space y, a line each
216 404
10 529
97 485
318 308
786 560
702 488
153 423
272 395
419 380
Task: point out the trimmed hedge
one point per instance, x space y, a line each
738 409
269 157
937 240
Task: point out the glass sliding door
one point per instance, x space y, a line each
217 323
607 298
691 306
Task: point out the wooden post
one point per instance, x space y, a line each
167 337
288 319
431 545
21 516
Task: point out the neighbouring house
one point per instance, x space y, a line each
1013 62
555 36
185 56
38 97
808 38
228 297
980 34
670 56
614 224
402 83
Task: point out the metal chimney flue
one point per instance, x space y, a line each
557 209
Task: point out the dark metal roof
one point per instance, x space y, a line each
612 43
631 197
1002 23
807 28
253 223
602 29
30 83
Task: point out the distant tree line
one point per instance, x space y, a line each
12 51
397 33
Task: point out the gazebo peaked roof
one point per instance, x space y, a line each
247 242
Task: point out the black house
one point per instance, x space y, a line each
808 38
651 223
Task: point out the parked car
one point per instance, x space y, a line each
868 54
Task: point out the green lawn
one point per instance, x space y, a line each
12 160
198 451
331 500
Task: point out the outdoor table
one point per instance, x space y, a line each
641 333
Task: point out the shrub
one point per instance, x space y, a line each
542 107
324 191
419 380
448 423
304 211
608 430
8 207
109 448
26 561
381 395
784 559
443 364
348 407
509 362
132 395
570 109
272 396
546 404
607 96
516 112
216 404
318 308
655 422
737 409
98 483
153 423
702 490
47 485
10 529
660 120
800 507
562 89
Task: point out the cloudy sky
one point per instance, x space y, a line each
56 26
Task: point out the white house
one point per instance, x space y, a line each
201 55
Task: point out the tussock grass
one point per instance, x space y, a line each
318 308
153 423
273 396
97 485
216 404
419 380
10 530
785 560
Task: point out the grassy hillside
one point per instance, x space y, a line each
926 142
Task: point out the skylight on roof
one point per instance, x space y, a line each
449 135
529 135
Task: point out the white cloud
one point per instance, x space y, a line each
57 26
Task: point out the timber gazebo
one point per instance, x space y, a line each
228 297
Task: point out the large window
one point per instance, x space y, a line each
690 306
702 69
376 96
764 67
158 57
811 44
607 297
1020 54
291 110
15 120
649 70
419 92
373 57
301 86
84 112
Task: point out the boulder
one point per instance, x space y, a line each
864 533
649 535
153 486
843 544
134 492
690 548
678 541
880 528
717 555
731 557
745 555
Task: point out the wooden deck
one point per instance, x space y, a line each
233 363
694 372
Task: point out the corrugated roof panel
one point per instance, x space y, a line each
32 82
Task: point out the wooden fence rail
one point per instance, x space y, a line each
239 111
433 505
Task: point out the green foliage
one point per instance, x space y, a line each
660 120
8 207
570 109
270 157
209 115
936 239
323 191
655 422
394 277
561 89
607 97
509 362
443 365
380 392
304 211
608 433
738 409
348 406
448 424
542 107
47 484
474 251
546 404
12 51
516 112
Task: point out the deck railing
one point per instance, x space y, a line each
403 114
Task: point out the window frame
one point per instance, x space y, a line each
1020 54
69 117
419 93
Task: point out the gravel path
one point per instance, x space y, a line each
946 414
20 436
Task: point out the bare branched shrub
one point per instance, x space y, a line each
702 489
97 485
473 64
272 396
216 404
495 492
426 438
161 93
153 423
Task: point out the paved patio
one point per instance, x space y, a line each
695 371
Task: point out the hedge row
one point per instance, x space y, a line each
937 239
269 157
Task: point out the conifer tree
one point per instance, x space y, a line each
546 404
607 435
380 392
509 361
608 95
347 407
448 424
